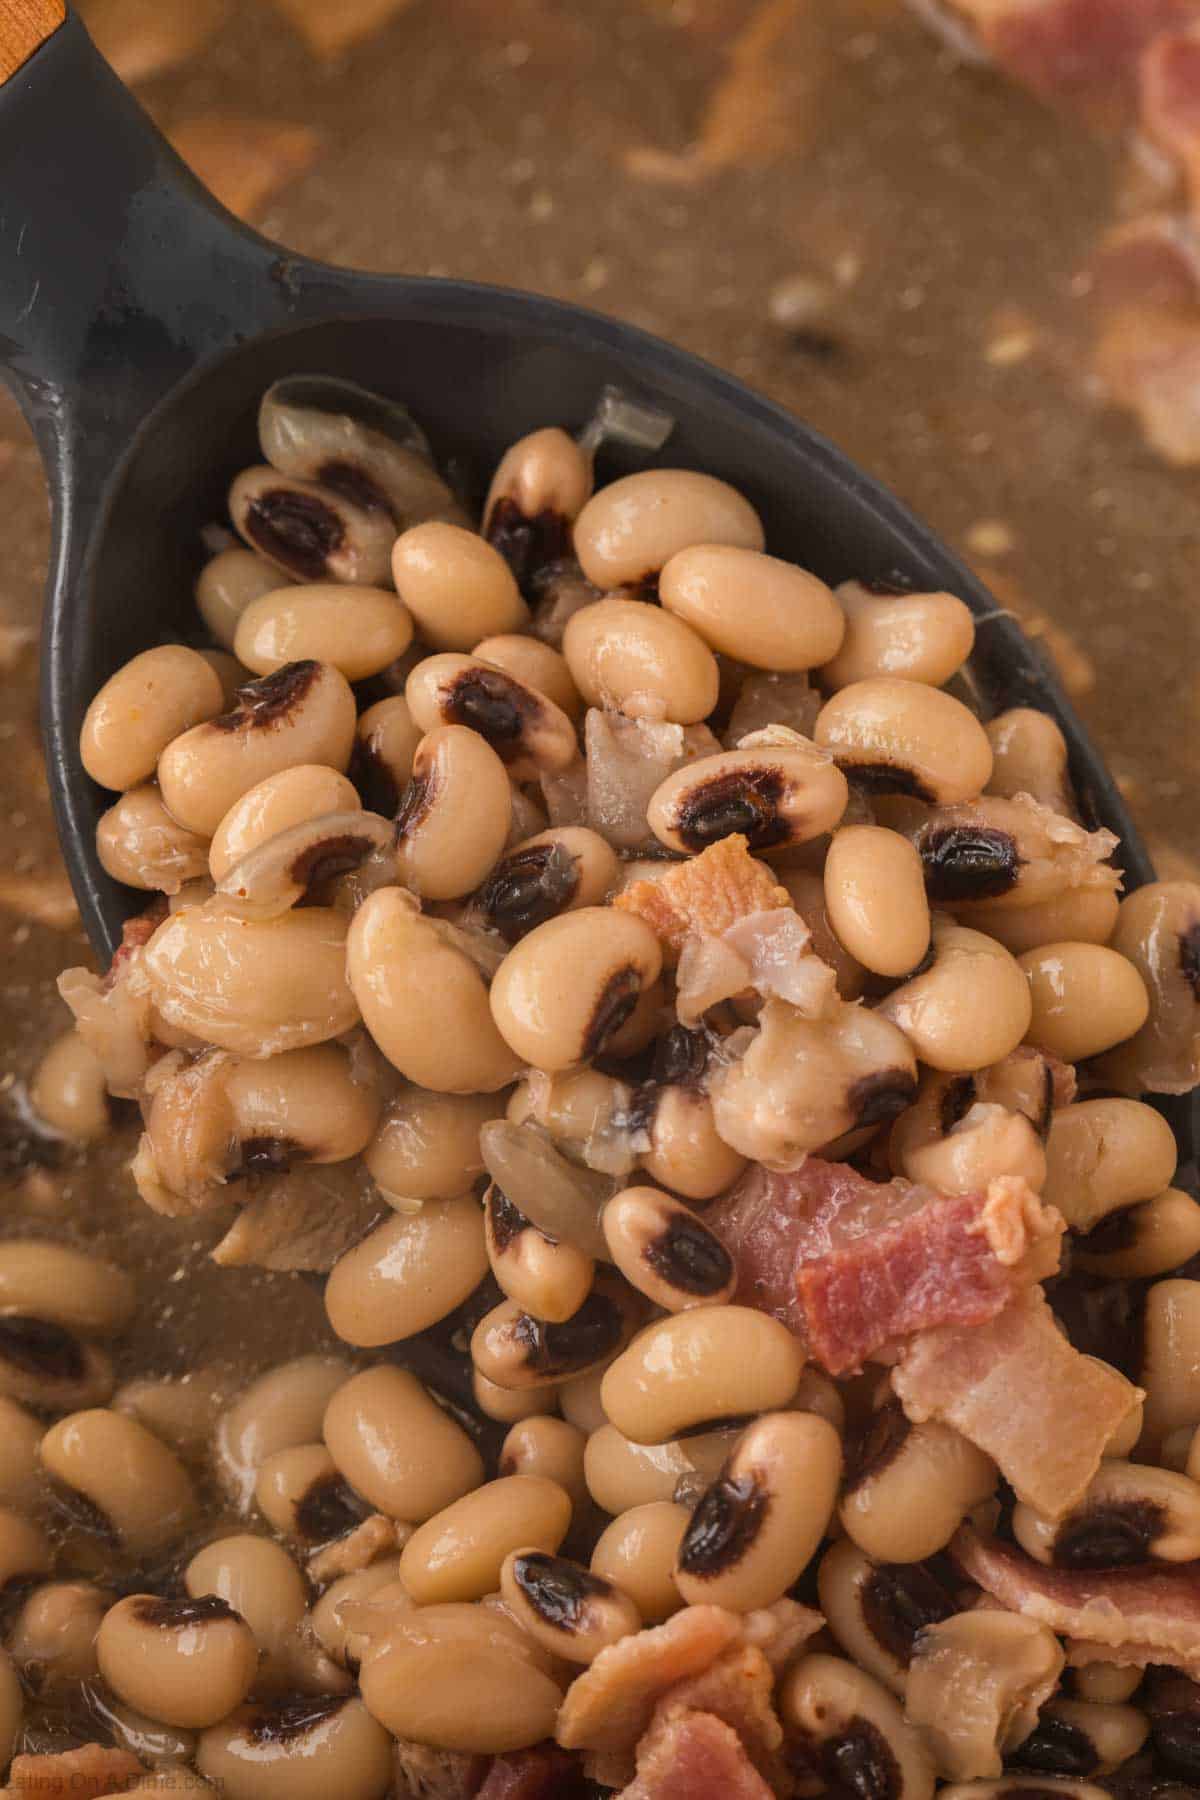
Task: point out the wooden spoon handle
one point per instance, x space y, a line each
24 26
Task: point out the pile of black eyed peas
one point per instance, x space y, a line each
554 877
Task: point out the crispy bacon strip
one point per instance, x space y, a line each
610 1705
694 1756
1152 1611
1020 1391
704 895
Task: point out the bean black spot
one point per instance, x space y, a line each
1057 1748
39 1347
1189 957
299 530
174 1615
687 1256
527 888
527 544
506 1222
743 800
875 1098
680 1058
1176 1740
413 806
860 1762
269 1155
353 484
79 1513
899 1600
558 1590
328 1509
618 997
1115 1233
492 705
957 1101
1112 1536
332 856
724 1526
377 785
1101 1318
878 1445
968 862
887 778
269 701
282 1721
584 1338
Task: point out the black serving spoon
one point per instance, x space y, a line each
140 323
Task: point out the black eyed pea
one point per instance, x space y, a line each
921 637
396 1447
1158 929
226 585
1142 1241
529 733
181 1410
184 1662
561 995
163 1746
516 1349
754 608
385 744
53 1636
139 1488
911 1486
621 1474
285 1406
969 1009
1106 1684
976 1684
712 1362
543 1276
580 1402
408 1273
570 1611
301 1494
541 483
311 532
1130 1514
25 1550
454 815
333 1634
990 856
665 1251
686 1153
1084 1737
303 713
257 1579
232 674
459 1553
20 1470
1029 756
1081 915
436 1657
777 789
876 1611
302 1105
46 1365
456 586
12 1708
550 1448
298 1748
509 1406
292 797
140 844
555 871
819 1393
67 1287
757 1528
1102 1155
299 864
404 972
633 527
562 1198
875 898
642 661
850 1729
902 737
427 1145
987 1142
69 1091
139 710
254 986
358 631
637 1552
807 891
535 664
1086 999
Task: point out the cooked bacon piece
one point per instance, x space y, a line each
770 953
950 1264
610 1705
1021 1392
704 895
1154 1609
737 1689
1169 97
780 1630
86 1773
543 1773
849 1264
377 1536
694 1756
626 760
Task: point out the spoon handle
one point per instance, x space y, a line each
24 27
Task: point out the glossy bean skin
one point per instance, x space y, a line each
303 713
901 737
913 1487
456 586
970 1009
544 1277
1105 1154
710 1363
1083 915
258 1579
665 1251
458 1554
1030 757
756 608
778 792
516 1349
139 710
70 1287
140 844
69 1090
358 633
536 664
875 898
641 660
408 1273
386 741
454 815
138 1485
1145 1240
842 1713
225 587
20 1471
509 1406
1158 930
563 992
55 1630
545 478
632 527
332 1633
310 531
183 1662
922 637
427 1144
396 1447
550 1448
46 1365
302 1749
567 1609
637 1552
553 871
621 1473
686 1152
1170 1371
283 1407
529 733
292 797
1086 999
403 973
1130 1515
